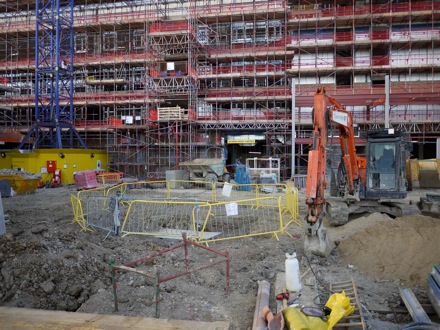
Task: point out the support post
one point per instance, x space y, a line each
293 125
387 101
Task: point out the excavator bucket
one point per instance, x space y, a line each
317 241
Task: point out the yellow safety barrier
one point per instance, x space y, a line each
242 218
78 213
168 208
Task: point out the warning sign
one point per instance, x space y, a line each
241 141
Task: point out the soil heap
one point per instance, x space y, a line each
404 249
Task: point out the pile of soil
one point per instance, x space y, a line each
403 249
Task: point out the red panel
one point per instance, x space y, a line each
51 166
380 35
380 60
344 61
344 36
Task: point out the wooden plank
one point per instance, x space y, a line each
12 318
170 113
134 270
351 324
386 310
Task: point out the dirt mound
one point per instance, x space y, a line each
403 249
339 233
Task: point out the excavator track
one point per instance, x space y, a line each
339 211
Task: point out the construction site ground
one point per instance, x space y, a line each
48 263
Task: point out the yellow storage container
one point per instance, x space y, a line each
21 185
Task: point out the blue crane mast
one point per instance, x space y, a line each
54 47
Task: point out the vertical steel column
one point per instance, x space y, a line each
293 125
387 101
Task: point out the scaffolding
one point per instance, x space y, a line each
159 82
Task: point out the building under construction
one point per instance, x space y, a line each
158 82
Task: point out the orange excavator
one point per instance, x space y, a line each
360 184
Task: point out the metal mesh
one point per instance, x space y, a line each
241 218
104 213
161 218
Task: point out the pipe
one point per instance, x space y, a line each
262 301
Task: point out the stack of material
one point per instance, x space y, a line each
434 288
85 179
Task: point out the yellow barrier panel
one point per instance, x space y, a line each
120 188
242 218
78 213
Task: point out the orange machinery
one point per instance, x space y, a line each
360 183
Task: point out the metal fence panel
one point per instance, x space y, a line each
162 218
237 219
104 213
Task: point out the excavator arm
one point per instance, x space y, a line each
328 110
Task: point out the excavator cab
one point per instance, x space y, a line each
386 153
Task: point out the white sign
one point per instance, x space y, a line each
231 209
227 189
340 117
129 119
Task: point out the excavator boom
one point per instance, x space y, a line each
316 171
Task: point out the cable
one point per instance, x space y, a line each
421 326
313 272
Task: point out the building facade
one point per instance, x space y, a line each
159 82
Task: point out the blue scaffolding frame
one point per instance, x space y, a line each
54 47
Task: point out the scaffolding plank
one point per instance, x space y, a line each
19 318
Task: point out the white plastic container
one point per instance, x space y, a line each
293 277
